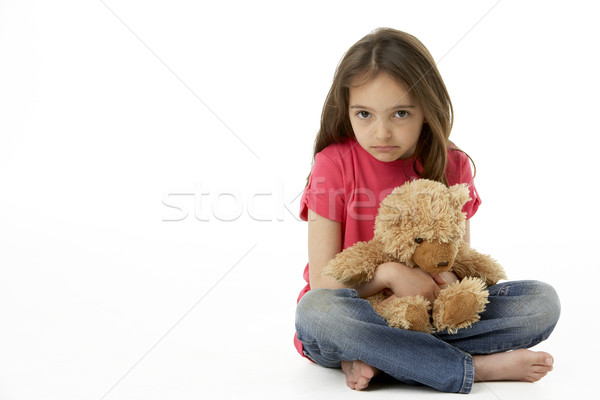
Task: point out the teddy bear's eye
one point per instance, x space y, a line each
419 240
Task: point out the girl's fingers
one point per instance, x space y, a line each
439 280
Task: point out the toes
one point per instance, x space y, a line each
358 374
542 358
362 383
539 369
353 375
536 376
366 371
351 382
543 362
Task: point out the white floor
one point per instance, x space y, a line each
151 158
125 332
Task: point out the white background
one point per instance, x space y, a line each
151 158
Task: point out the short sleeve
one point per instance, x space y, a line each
459 171
324 193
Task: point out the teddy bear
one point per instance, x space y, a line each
421 224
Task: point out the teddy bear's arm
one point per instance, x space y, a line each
469 262
356 264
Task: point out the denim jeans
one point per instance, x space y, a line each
337 325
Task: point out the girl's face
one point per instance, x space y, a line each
386 119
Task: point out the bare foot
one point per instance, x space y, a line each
517 365
358 374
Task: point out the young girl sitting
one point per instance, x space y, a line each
387 120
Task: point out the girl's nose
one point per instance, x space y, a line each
383 131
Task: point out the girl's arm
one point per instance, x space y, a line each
324 242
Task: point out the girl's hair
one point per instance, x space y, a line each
406 59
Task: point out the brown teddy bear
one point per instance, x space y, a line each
421 224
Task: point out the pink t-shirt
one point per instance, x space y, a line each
347 184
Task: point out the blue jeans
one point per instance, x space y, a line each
337 325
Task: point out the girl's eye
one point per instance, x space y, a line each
401 114
363 114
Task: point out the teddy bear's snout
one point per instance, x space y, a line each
435 257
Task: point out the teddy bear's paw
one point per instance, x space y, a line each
354 265
411 313
459 305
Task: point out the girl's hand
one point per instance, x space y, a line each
407 281
444 279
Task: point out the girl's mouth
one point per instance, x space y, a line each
385 149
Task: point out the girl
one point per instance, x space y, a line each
387 119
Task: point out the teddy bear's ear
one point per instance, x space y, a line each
459 195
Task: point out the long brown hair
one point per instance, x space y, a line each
406 59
